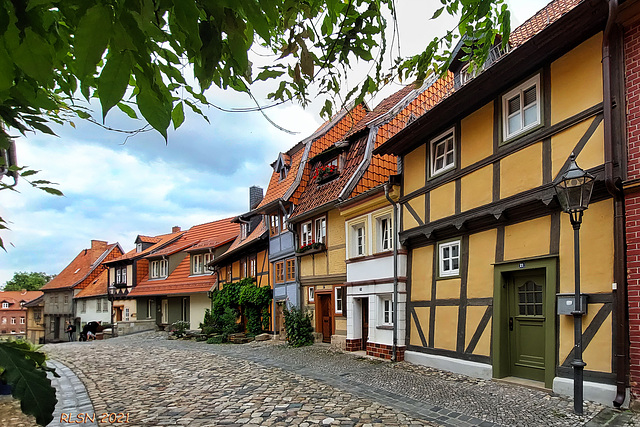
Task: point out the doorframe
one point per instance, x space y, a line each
500 344
317 296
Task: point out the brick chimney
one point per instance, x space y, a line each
99 245
255 196
175 229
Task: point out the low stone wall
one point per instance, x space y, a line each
339 342
132 327
385 351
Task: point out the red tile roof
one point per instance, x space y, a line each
97 288
202 236
443 87
15 298
160 242
83 265
239 243
541 20
277 188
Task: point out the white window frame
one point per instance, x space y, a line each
450 271
164 268
149 310
321 229
155 269
253 267
105 304
357 243
98 305
13 320
389 240
83 306
338 308
126 314
139 247
533 81
306 233
312 294
206 259
22 320
443 138
196 264
5 305
386 310
118 275
244 231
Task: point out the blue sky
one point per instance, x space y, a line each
115 190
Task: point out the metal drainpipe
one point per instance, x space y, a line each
395 272
612 184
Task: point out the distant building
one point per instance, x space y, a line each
13 316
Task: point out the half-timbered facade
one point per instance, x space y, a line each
489 250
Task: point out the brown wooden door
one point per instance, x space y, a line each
365 322
325 316
280 319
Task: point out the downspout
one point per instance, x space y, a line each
612 184
395 271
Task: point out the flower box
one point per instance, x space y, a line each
325 173
311 248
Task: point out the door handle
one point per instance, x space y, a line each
511 323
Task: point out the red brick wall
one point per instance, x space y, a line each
632 199
385 351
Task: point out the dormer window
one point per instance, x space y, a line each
196 264
327 170
5 305
281 166
139 247
121 275
244 231
159 269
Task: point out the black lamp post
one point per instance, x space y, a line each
574 192
112 296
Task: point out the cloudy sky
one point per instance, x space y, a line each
116 189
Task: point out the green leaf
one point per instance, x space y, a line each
7 72
154 109
268 74
43 128
29 384
35 57
28 173
127 110
53 191
187 18
437 13
177 115
91 39
114 80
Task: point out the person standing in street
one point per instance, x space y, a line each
70 330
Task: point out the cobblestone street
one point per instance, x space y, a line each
160 382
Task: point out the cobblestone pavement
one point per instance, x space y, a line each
167 382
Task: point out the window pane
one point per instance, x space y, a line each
446 265
454 263
439 163
440 149
531 115
455 249
514 123
514 104
445 252
530 96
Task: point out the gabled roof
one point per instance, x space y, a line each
239 244
15 298
97 288
82 266
38 301
159 242
180 281
443 88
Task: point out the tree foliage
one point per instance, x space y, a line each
24 368
30 281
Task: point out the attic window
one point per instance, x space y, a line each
327 171
283 173
5 305
76 271
139 247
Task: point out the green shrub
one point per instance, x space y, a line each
229 322
217 339
297 324
179 328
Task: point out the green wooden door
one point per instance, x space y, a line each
527 313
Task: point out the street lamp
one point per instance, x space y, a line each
112 294
574 192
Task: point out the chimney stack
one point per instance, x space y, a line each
255 196
99 245
175 229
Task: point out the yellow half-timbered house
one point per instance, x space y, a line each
490 252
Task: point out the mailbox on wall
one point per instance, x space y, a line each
566 303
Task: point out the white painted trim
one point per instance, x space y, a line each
595 392
450 364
